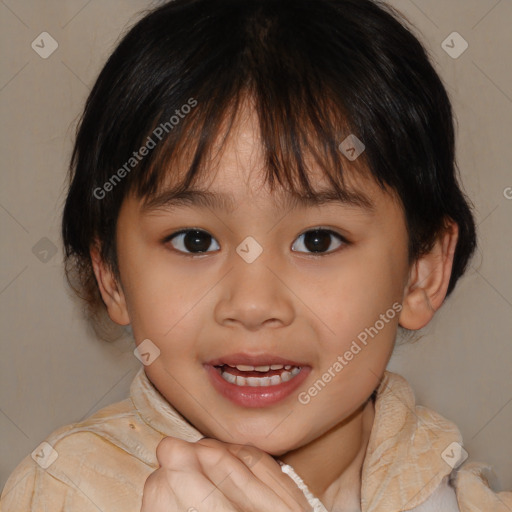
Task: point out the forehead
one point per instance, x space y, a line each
227 201
237 170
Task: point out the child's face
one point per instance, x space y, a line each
286 303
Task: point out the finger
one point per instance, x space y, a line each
171 490
179 483
245 488
174 453
268 470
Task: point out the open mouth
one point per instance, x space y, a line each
256 380
257 376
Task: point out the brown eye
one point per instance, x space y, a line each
318 241
192 241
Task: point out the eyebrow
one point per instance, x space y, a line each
224 202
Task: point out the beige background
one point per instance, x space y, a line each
53 371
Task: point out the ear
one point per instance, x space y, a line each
111 291
428 280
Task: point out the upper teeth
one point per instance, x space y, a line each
274 380
249 368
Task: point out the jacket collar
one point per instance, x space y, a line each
404 461
156 411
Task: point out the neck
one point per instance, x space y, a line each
331 465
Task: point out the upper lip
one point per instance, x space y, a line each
253 360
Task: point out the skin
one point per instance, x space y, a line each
294 304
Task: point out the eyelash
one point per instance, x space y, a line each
343 240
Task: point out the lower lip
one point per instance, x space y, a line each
261 396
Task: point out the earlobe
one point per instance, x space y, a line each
110 290
428 280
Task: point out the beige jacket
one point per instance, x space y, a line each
101 464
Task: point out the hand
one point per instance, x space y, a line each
210 475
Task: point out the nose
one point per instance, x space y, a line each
255 295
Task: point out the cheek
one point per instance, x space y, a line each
160 297
360 305
355 296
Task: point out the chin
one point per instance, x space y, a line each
275 447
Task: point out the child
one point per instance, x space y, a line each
258 126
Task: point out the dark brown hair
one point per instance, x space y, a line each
317 70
